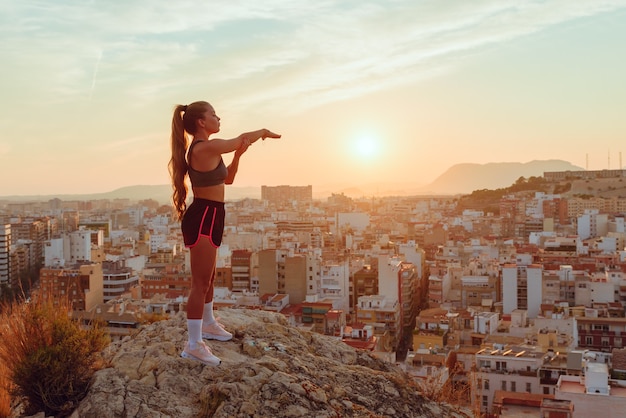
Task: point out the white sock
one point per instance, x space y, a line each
194 331
207 316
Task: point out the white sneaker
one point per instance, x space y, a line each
215 331
201 353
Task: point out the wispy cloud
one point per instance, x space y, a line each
95 75
295 54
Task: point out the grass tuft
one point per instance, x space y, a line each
47 359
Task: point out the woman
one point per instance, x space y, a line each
202 222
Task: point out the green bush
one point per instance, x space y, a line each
48 357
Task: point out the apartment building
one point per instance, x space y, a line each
224 277
117 280
521 288
81 284
97 223
364 283
601 334
334 284
479 291
435 291
35 230
170 280
5 247
315 314
20 268
594 394
72 247
295 281
398 280
289 272
506 368
241 265
431 330
592 224
383 314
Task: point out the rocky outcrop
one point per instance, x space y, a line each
269 369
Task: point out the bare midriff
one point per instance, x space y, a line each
215 193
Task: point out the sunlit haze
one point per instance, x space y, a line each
362 92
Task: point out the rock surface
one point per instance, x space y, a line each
269 369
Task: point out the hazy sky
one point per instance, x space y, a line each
363 92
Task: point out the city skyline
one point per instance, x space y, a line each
365 92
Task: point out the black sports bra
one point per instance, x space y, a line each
206 178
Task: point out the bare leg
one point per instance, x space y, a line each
211 328
203 261
209 294
203 256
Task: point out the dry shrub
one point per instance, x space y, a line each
455 393
5 393
49 359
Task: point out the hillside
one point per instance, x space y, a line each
606 188
458 179
465 178
269 369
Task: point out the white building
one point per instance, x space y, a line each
335 285
522 288
72 247
592 224
486 322
506 368
388 268
593 395
5 247
414 254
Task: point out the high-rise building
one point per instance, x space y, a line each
268 272
240 261
398 281
38 231
334 284
5 248
364 283
522 288
295 278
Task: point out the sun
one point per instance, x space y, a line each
366 146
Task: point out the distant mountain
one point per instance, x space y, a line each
465 178
458 179
162 193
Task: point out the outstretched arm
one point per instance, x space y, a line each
223 146
247 139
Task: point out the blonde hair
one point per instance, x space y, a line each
183 123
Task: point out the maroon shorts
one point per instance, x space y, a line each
203 218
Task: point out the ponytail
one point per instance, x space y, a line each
178 163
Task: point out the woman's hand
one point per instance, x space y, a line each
269 134
243 148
